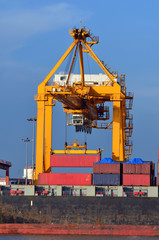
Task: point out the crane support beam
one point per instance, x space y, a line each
122 130
48 135
59 62
39 139
81 65
71 101
118 138
72 64
93 55
88 92
116 131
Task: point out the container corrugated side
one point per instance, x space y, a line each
137 180
158 168
106 179
106 168
130 168
70 160
157 179
144 168
84 179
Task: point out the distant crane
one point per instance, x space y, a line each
85 103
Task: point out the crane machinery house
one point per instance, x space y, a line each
90 79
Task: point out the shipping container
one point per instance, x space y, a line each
71 170
157 179
137 180
106 168
70 160
158 168
84 179
106 179
130 168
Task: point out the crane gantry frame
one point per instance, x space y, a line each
83 99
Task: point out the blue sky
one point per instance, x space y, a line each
34 35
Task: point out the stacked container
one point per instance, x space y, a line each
158 173
69 161
158 169
106 173
138 173
65 179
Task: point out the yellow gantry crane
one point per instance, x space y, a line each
86 103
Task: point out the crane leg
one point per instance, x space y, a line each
48 135
117 138
122 130
39 139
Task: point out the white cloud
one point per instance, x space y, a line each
18 25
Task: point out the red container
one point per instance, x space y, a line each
144 168
137 180
129 168
65 179
158 168
157 179
113 168
69 160
137 168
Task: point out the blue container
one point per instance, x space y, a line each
106 179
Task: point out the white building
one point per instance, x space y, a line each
29 171
2 181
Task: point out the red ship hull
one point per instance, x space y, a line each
86 229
